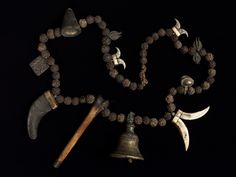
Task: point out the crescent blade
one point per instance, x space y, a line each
192 116
183 131
41 106
120 61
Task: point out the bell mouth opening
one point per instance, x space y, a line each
125 156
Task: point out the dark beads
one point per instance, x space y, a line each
90 19
167 116
57 32
173 91
161 32
143 60
102 25
192 51
209 56
153 122
112 117
43 38
121 118
149 40
212 64
211 72
105 32
56 91
169 32
45 54
105 49
144 46
184 49
50 61
113 73
143 53
162 122
205 85
60 99
56 75
50 34
171 107
211 80
180 90
56 83
202 52
97 19
106 112
155 36
133 86
42 47
106 40
119 78
178 44
140 86
110 65
138 120
83 23
126 83
169 99
75 101
82 99
54 68
90 99
146 120
191 91
198 89
174 38
107 57
67 100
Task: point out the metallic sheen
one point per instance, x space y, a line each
41 106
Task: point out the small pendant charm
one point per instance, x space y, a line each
116 58
39 65
178 30
70 26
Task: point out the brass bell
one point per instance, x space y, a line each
128 143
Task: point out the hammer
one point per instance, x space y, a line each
98 106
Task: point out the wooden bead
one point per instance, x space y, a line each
211 72
42 47
126 83
171 107
211 80
83 23
67 100
161 32
56 91
56 75
209 57
212 64
90 19
146 120
50 61
45 54
191 91
113 73
102 25
169 99
140 86
107 57
184 49
144 46
110 65
168 116
169 32
143 60
180 90
155 36
106 112
205 85
173 91
203 52
60 99
133 86
149 40
43 38
105 49
106 40
174 38
198 89
75 101
178 44
56 83
112 117
50 34
97 19
138 120
57 32
90 99
192 51
153 122
121 118
119 78
162 122
105 32
54 68
82 99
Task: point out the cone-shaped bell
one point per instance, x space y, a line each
128 144
70 26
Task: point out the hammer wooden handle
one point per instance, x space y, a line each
89 118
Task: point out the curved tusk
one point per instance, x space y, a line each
120 61
192 116
118 53
183 131
177 25
183 31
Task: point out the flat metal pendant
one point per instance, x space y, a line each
39 65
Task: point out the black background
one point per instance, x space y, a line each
83 72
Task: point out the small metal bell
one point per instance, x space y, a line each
186 82
128 143
70 26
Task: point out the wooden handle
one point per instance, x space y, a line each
89 118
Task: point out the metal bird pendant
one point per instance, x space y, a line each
182 127
41 106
